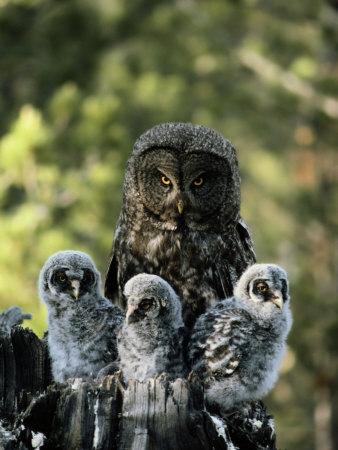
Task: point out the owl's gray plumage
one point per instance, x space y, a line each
150 340
237 346
81 322
180 217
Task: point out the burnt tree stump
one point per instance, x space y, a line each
102 415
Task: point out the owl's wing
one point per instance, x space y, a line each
246 240
223 282
223 343
197 342
121 267
236 255
111 287
228 343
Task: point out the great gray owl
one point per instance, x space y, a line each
81 322
237 346
150 340
180 217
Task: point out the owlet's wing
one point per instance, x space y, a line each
221 344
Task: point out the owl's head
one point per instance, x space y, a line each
184 175
68 276
151 298
264 285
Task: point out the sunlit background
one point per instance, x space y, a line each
80 80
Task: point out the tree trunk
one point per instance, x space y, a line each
92 415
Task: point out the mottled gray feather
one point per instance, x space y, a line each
236 347
82 332
151 342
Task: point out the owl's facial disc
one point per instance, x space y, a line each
71 284
179 189
140 309
265 290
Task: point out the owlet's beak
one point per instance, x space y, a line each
180 206
75 288
130 316
277 299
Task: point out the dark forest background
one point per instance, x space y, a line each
80 80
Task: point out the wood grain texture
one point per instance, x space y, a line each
158 414
106 414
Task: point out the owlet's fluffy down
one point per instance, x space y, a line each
81 322
237 346
151 338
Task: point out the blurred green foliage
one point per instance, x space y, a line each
80 80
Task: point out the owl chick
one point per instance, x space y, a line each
237 346
81 322
150 340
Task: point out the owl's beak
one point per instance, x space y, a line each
130 315
76 288
277 299
180 206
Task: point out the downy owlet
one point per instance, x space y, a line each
150 340
81 322
237 346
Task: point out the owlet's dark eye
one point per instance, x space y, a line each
198 181
165 180
59 277
146 304
262 286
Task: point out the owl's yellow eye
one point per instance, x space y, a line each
198 181
62 277
165 180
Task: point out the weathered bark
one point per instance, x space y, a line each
151 415
93 415
157 414
24 370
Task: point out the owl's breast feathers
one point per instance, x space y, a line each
201 266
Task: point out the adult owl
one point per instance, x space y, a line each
180 217
82 324
236 346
